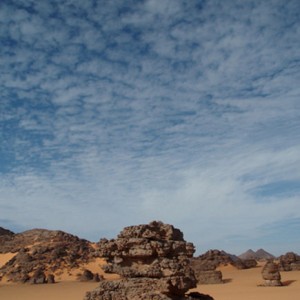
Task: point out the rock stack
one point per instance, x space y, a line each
271 274
206 273
153 262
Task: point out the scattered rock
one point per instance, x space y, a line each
50 278
87 275
271 274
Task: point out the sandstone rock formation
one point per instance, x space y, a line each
271 274
43 251
289 262
153 261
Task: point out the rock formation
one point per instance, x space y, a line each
260 254
289 262
153 262
271 275
212 259
41 251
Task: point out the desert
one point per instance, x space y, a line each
139 264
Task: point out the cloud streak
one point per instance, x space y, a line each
118 113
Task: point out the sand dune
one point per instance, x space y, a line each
239 285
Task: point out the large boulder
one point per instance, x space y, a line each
153 262
271 275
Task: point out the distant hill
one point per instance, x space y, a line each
260 254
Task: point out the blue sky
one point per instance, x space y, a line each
116 113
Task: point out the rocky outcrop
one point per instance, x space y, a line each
289 262
271 275
153 262
212 259
44 251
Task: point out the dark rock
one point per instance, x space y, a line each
38 277
50 278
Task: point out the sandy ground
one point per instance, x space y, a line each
243 285
239 285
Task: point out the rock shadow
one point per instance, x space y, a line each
288 282
227 280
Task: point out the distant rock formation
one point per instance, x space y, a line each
289 262
5 236
212 259
41 251
153 261
4 232
271 275
260 254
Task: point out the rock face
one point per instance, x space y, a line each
289 262
153 261
41 251
271 275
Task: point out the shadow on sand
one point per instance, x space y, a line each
227 280
288 282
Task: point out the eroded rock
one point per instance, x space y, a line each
153 261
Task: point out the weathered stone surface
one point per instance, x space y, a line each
153 260
271 275
47 250
209 277
289 262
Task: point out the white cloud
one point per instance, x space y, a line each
128 113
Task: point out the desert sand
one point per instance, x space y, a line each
244 285
238 285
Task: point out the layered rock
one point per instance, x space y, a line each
43 251
271 275
289 262
153 261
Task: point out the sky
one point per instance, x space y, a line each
117 113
